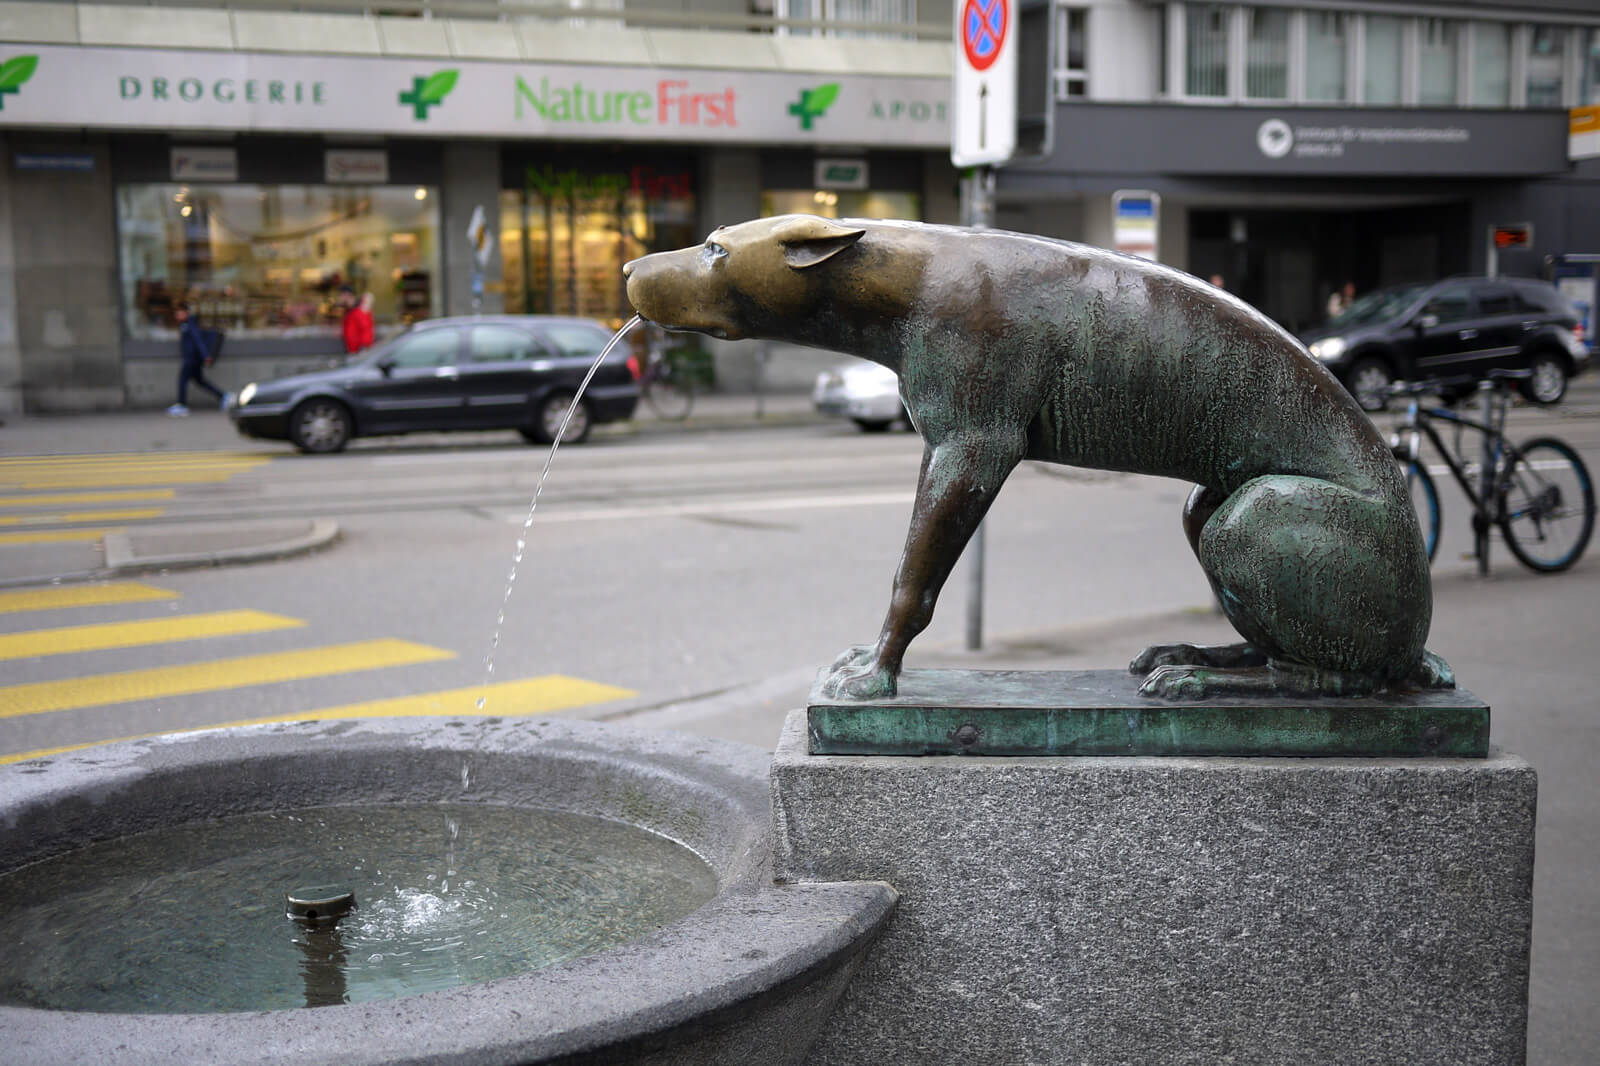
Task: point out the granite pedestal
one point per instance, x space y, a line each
1173 910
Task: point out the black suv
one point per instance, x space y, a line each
1451 328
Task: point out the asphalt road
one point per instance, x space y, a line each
696 580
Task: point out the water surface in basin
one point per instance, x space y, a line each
190 919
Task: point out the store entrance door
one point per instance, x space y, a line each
1288 263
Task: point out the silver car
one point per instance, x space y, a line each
864 392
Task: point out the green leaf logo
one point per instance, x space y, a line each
813 103
15 71
818 100
436 88
428 92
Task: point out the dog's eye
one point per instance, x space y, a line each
715 251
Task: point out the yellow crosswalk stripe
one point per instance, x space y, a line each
124 469
128 515
62 499
53 536
538 695
106 635
92 458
91 480
218 675
61 596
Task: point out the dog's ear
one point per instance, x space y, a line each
808 240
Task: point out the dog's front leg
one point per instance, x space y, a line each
960 478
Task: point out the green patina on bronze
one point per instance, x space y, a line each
1100 712
1013 347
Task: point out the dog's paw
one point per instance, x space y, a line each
1164 655
1180 681
852 659
861 683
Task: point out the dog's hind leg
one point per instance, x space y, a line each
960 478
1197 510
1330 584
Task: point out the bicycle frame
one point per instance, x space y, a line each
1486 499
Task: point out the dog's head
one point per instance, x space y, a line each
742 278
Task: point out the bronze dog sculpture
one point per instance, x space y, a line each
1013 347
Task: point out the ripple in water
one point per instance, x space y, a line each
190 919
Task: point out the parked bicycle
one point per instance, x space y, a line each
1537 493
667 386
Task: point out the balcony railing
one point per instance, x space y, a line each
597 14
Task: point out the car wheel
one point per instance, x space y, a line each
1549 381
549 415
1369 381
320 425
873 425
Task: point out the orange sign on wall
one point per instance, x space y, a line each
1583 133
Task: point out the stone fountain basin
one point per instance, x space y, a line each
748 977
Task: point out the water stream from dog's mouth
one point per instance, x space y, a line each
527 523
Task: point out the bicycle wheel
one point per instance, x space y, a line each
1425 498
1547 505
668 397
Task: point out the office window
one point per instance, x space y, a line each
1547 46
1437 56
1206 64
1491 65
1266 67
1385 41
1327 48
1589 92
1072 77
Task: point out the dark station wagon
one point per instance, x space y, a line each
485 372
1456 328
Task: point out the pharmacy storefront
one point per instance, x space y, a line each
268 191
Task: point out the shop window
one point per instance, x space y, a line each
1437 60
565 235
1589 93
1266 61
1547 48
1491 65
268 261
1072 77
841 203
1385 55
1206 58
1327 55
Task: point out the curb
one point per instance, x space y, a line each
121 558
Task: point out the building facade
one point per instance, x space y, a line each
1294 148
255 164
254 161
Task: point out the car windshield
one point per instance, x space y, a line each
1377 306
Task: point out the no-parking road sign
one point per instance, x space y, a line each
984 104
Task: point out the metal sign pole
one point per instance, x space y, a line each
977 211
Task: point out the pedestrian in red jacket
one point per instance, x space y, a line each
358 327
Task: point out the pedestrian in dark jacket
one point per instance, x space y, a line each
194 355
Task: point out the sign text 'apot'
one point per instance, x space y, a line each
224 90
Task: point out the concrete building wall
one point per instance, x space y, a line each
10 350
62 253
1123 51
471 180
